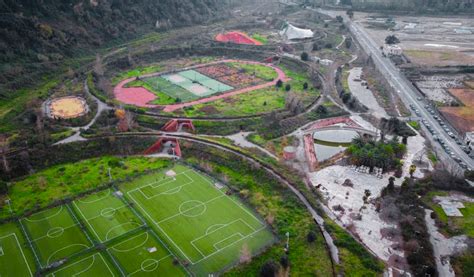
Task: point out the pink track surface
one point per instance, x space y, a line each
237 37
141 97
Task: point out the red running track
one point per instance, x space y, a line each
141 97
237 37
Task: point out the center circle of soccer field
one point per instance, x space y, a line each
108 212
55 232
149 265
192 208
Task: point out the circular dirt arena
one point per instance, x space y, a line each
66 107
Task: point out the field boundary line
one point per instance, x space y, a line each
80 224
159 260
157 225
88 223
83 259
21 250
130 238
235 203
97 200
62 248
46 236
35 252
106 264
245 237
190 181
213 231
48 217
234 234
190 209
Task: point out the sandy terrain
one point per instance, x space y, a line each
67 107
363 94
462 118
430 34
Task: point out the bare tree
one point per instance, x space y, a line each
4 147
98 66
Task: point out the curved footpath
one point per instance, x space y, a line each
140 96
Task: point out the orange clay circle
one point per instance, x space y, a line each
67 107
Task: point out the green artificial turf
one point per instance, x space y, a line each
92 265
16 259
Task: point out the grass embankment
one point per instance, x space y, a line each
415 125
260 38
45 187
136 72
259 101
452 225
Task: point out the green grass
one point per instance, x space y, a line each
355 259
221 225
106 215
44 187
136 72
261 71
258 101
452 225
135 257
56 234
17 259
415 125
92 265
260 38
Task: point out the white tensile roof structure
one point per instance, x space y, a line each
290 32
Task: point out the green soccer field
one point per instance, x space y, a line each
106 215
197 219
56 234
92 265
144 255
15 258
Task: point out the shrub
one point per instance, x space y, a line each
304 56
269 269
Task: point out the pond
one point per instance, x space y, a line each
330 143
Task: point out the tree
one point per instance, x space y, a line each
304 56
311 237
412 170
98 66
391 184
305 86
269 269
3 187
339 19
350 13
316 46
245 254
288 87
279 84
4 147
348 42
284 261
321 109
391 39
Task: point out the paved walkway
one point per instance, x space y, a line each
141 97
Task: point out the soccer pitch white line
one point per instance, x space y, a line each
155 187
236 203
141 269
21 250
234 234
92 227
86 269
187 210
214 253
62 248
165 180
97 200
44 218
151 218
47 236
129 239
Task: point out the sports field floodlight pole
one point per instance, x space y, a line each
110 175
287 241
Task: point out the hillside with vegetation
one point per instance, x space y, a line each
39 35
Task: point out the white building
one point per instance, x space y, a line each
392 50
290 32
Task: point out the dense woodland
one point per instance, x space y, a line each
38 34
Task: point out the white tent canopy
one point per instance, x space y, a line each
291 32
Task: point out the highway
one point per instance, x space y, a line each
407 92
